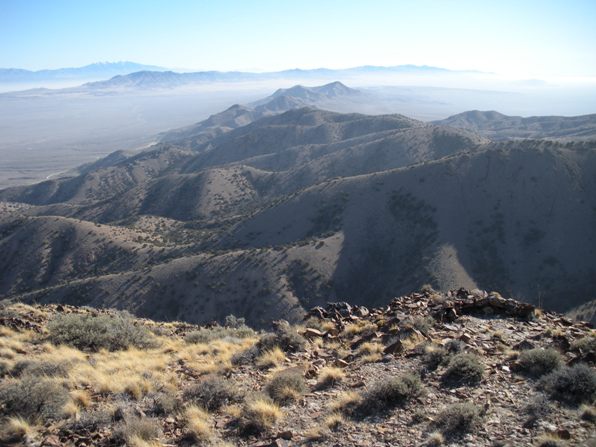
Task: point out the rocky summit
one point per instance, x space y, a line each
457 368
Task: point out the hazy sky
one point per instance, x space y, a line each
521 38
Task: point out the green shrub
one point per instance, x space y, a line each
212 393
33 398
573 385
458 419
4 368
538 362
136 428
463 369
550 441
94 332
387 394
286 386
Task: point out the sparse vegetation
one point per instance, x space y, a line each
286 386
387 394
234 328
574 385
458 419
33 398
538 362
197 424
284 336
259 414
94 332
272 357
135 429
212 393
329 376
463 369
434 356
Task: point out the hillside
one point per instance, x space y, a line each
497 126
426 369
266 214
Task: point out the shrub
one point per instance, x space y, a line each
434 356
4 368
285 336
205 335
458 419
588 413
549 441
586 344
537 409
232 321
259 414
33 398
538 362
423 324
40 368
463 369
329 376
573 385
90 332
212 393
387 394
136 428
286 386
165 404
91 420
455 346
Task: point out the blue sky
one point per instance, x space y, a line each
526 38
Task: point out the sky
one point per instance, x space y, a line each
522 39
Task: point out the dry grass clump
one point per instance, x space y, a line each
538 362
270 358
16 429
387 394
334 421
212 393
346 402
284 337
463 369
458 419
259 414
359 327
137 431
329 376
435 439
94 332
573 385
286 386
33 398
197 423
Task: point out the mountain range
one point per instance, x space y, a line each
271 208
99 70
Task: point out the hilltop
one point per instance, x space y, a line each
426 369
